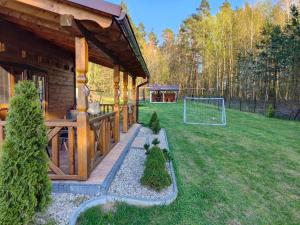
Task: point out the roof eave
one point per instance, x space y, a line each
98 6
128 32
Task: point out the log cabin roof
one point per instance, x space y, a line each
156 87
105 26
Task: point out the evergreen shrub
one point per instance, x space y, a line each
155 127
146 147
270 111
24 184
155 173
153 118
155 142
154 123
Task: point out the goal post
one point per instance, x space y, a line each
205 111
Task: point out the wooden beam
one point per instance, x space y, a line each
116 102
125 102
63 9
93 40
81 55
69 24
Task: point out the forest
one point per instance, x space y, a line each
248 55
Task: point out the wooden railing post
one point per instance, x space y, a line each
81 49
92 144
116 103
71 142
125 102
55 150
134 98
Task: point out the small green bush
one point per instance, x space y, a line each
24 184
270 111
156 127
154 123
155 173
146 147
155 142
153 118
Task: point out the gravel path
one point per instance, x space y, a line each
61 209
127 181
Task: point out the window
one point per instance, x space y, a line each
39 80
4 86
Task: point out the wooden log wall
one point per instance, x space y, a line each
25 50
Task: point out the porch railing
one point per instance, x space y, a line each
62 150
62 144
106 108
102 136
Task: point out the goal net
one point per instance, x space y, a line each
207 111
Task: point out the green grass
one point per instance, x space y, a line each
245 173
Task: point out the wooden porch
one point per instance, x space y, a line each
66 163
51 42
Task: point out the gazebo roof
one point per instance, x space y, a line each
156 87
104 25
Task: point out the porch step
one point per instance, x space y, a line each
102 176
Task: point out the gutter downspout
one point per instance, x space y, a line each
138 97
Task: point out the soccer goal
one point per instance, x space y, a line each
206 111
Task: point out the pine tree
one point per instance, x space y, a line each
204 9
24 184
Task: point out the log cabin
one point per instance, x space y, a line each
51 42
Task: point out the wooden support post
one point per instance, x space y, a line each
81 49
134 98
11 85
125 102
116 102
71 142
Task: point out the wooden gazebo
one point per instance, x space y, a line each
163 93
51 42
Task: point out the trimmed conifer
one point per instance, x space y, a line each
154 123
155 173
24 184
153 118
155 127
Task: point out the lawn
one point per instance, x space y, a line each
245 173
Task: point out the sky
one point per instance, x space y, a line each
160 14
